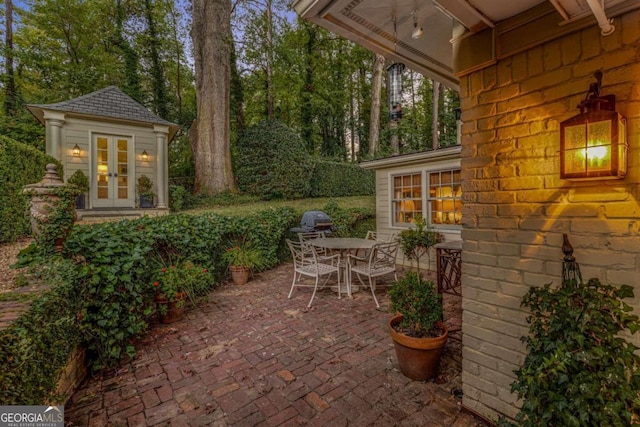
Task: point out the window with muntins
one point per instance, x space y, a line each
445 197
407 198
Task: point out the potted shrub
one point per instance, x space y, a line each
81 182
418 334
418 241
145 191
241 259
174 284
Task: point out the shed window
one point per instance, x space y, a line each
407 197
444 198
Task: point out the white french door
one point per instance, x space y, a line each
112 184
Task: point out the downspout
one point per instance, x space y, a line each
598 11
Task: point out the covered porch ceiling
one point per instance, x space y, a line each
423 34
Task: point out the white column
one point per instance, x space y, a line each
162 165
53 124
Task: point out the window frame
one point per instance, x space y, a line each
425 199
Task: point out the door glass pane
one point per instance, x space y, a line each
102 172
123 181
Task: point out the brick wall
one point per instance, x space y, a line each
516 207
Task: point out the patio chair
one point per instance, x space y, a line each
380 261
310 235
307 262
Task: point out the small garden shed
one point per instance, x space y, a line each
114 140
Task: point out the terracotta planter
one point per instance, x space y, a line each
418 357
239 274
171 311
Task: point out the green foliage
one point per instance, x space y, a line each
80 180
179 198
346 221
144 186
418 241
117 262
19 165
271 162
56 226
186 277
242 255
35 348
419 303
333 179
579 371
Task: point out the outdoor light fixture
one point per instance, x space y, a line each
76 151
394 90
593 144
145 155
417 31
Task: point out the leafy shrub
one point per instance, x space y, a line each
179 198
120 260
80 180
419 303
579 371
345 221
35 348
272 162
20 165
333 179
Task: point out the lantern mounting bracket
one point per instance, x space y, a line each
593 101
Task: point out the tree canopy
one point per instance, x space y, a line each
281 67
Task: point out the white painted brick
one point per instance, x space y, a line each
481 384
532 279
479 258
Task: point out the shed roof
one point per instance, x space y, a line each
109 102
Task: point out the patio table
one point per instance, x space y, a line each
343 244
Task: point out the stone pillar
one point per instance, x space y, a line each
162 166
53 124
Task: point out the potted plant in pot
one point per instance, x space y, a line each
145 191
177 282
241 259
417 241
417 331
81 181
418 334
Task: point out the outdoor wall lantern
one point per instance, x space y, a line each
394 90
593 144
145 155
76 151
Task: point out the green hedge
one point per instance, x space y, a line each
102 294
20 165
333 179
271 162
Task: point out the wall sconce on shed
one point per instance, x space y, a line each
75 151
144 156
593 144
394 90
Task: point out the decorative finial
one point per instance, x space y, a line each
567 249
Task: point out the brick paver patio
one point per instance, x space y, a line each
252 357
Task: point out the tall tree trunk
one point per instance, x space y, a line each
376 88
211 35
132 85
434 117
10 101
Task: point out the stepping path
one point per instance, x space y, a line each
252 357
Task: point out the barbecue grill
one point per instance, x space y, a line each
314 221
